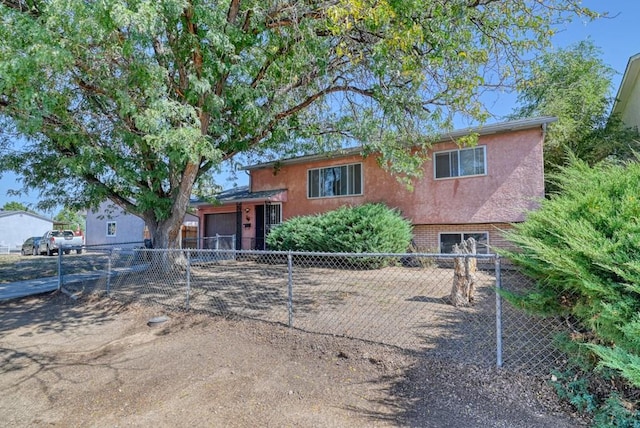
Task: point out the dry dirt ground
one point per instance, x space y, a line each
95 362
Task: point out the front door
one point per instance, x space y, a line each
267 216
259 244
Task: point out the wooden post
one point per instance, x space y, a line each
464 274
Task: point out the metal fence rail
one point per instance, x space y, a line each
395 299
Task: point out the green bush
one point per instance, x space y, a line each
368 228
583 249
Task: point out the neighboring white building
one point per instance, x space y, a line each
627 103
113 226
17 226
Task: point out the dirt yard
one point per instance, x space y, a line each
98 362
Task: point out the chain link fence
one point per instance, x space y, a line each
395 299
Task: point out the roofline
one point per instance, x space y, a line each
628 79
36 215
223 201
496 128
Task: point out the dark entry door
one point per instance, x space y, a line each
260 244
267 216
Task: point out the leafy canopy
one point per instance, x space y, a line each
574 85
71 219
15 206
138 100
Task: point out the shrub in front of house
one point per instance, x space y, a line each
368 228
583 249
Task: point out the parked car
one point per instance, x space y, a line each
54 240
31 246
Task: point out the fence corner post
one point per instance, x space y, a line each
290 287
498 312
188 279
109 272
60 280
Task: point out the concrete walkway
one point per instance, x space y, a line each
31 287
15 290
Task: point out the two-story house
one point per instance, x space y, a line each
474 191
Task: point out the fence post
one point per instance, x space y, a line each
188 277
109 272
290 288
59 267
498 313
217 241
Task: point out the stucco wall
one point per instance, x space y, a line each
16 228
513 185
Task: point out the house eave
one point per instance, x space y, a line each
242 196
38 216
629 78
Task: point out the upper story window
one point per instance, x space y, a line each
341 180
459 163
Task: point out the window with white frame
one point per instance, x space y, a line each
460 163
449 239
343 180
111 228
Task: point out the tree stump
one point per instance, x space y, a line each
464 274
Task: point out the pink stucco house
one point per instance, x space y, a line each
474 191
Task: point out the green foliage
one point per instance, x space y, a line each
583 248
135 101
574 85
613 413
72 220
604 404
15 206
575 390
601 397
368 228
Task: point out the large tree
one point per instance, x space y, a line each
71 219
574 84
15 206
136 100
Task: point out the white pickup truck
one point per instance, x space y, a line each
55 240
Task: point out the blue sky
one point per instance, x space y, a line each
614 36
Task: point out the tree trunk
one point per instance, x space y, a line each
464 274
166 233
